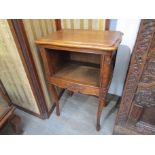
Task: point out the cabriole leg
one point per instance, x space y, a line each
104 83
55 97
99 112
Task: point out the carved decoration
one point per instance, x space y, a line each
145 97
145 128
141 49
148 76
75 88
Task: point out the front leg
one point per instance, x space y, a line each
55 97
105 72
101 105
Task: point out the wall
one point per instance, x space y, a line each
130 29
95 24
12 72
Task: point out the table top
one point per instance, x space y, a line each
87 39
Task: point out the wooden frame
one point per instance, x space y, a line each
25 53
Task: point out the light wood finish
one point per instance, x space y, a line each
83 57
99 40
68 60
80 74
78 78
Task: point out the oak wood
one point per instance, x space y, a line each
78 50
84 57
74 86
105 72
80 74
80 61
89 39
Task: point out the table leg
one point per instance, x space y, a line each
99 112
55 97
104 83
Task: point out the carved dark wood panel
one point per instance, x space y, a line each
140 84
145 96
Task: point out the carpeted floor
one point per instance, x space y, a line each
78 117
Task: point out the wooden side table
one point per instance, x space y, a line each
80 61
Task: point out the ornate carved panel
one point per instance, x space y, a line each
145 97
144 44
148 77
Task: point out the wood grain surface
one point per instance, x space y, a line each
100 40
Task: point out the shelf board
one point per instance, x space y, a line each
80 74
84 78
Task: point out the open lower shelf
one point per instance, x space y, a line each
78 76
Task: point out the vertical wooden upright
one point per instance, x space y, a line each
104 82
